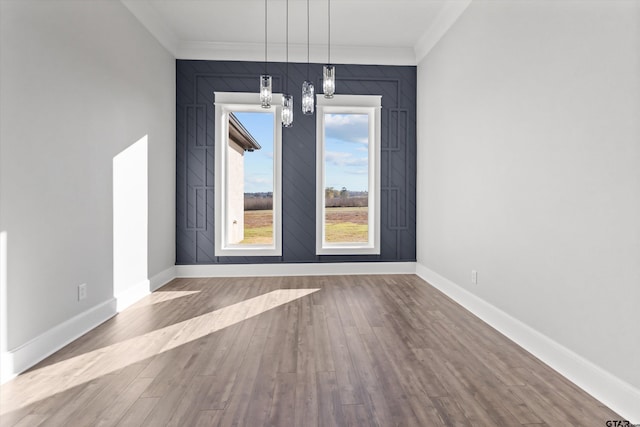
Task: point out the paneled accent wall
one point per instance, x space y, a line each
196 82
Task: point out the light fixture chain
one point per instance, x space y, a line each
328 71
266 94
265 36
287 48
307 39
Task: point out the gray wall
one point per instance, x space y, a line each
196 81
529 146
81 82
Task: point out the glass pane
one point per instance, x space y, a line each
346 165
250 178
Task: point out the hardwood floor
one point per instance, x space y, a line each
296 351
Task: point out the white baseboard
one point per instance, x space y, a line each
162 278
7 372
32 352
16 361
27 355
607 388
302 269
144 288
132 295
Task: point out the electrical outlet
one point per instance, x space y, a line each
474 277
82 291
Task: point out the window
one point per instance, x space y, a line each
348 175
248 175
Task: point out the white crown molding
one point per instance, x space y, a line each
302 269
203 50
615 393
152 21
365 55
372 55
448 15
340 54
227 51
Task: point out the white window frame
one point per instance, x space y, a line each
350 104
225 103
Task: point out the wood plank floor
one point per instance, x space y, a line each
296 351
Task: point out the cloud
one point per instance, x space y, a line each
258 180
358 172
268 154
347 127
342 159
258 184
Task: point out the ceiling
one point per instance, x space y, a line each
362 31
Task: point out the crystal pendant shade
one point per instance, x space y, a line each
307 97
328 80
287 111
265 91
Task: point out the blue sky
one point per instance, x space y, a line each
258 165
346 152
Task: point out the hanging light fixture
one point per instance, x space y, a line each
287 111
287 100
329 71
265 91
265 79
307 97
307 87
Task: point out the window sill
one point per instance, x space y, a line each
249 250
347 249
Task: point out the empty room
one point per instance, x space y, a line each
319 213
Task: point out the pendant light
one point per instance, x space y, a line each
287 111
287 100
265 79
307 87
329 71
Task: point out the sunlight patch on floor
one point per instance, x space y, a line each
59 377
158 297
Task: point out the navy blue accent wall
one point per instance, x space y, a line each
196 82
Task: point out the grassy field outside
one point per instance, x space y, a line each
258 227
343 225
347 225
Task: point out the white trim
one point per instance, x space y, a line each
241 98
42 346
132 295
162 278
618 395
4 330
236 51
14 362
226 102
7 373
144 288
350 104
448 15
340 54
153 22
349 101
302 269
